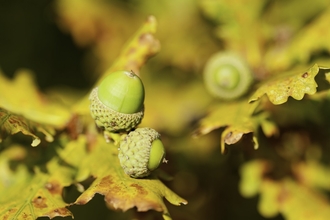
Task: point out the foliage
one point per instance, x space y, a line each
273 160
74 156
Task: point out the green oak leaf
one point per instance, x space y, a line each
296 85
29 194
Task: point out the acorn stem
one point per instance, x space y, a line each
130 73
111 136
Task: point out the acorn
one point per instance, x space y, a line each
141 152
227 76
117 104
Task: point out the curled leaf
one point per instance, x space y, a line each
238 119
12 123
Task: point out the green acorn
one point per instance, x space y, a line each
141 152
117 104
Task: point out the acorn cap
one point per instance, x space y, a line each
141 152
111 120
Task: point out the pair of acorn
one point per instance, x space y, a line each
117 105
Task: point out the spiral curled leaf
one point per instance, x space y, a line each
227 76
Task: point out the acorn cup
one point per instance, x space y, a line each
227 76
141 152
117 104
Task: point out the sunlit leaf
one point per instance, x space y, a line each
21 96
296 85
11 124
238 119
120 191
27 194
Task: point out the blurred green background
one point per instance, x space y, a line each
69 43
